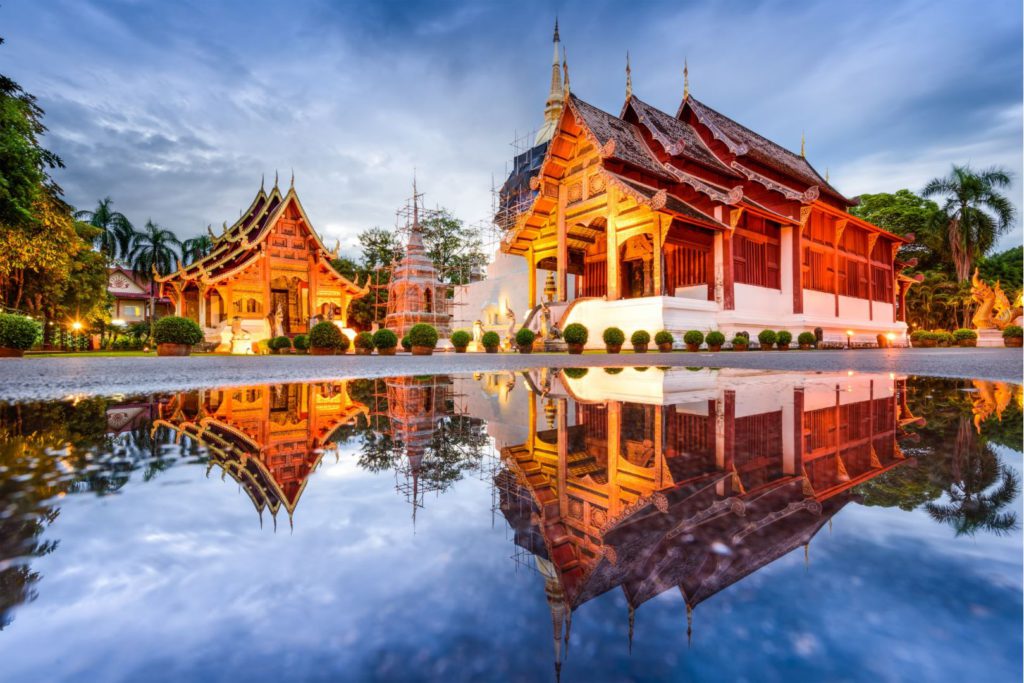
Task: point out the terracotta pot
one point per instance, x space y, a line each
10 353
526 348
692 348
640 348
173 349
967 343
1013 341
740 347
929 343
575 349
782 347
322 351
613 348
460 349
387 352
301 352
364 352
491 349
716 348
422 350
665 347
806 347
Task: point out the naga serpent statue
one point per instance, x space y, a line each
994 309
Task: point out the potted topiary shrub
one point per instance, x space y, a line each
929 340
423 338
1013 335
491 342
640 340
575 373
806 340
363 344
917 338
175 336
740 343
965 337
460 340
945 339
406 344
782 339
385 341
325 339
524 340
693 339
613 339
278 345
575 336
766 339
664 340
300 343
715 339
18 334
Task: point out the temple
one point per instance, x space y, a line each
693 221
267 275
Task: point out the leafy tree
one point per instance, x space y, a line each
455 248
116 231
974 213
904 213
196 248
1007 267
380 248
154 250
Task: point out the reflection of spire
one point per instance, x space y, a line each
632 620
807 553
689 625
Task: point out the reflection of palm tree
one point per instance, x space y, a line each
974 505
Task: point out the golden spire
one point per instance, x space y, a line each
629 78
686 78
803 145
565 71
553 106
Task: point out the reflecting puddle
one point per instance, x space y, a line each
641 523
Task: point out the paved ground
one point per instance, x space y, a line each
58 377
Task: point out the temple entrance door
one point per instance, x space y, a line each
279 302
635 269
192 304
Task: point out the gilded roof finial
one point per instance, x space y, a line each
826 180
262 176
292 185
275 177
686 78
565 71
803 145
629 78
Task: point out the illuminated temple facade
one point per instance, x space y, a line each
654 221
267 275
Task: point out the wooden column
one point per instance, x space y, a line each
840 226
798 264
614 412
202 307
728 291
563 243
872 239
612 244
531 266
657 232
563 457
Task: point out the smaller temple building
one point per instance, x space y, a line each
268 275
131 296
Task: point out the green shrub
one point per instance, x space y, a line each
767 338
640 337
279 343
301 342
613 371
406 343
740 341
575 373
694 337
964 334
806 338
525 336
744 334
930 336
461 338
490 340
326 335
363 340
613 336
176 330
783 337
423 334
1013 331
20 332
917 335
715 338
664 337
385 339
126 343
575 333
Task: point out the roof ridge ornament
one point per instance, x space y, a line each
686 78
803 145
629 78
565 71
262 177
292 185
275 178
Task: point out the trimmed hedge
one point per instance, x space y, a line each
406 344
279 343
805 338
1013 331
767 338
422 334
326 335
640 337
385 339
173 329
525 337
461 338
613 336
664 337
363 340
490 340
715 338
964 333
575 333
694 337
783 337
19 332
740 341
301 342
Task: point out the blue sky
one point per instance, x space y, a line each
175 109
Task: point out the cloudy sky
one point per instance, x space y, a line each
175 109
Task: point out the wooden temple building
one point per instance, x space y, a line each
655 481
269 438
690 220
267 275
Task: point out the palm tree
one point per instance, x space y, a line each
116 230
975 213
153 251
196 248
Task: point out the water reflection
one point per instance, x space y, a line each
641 480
